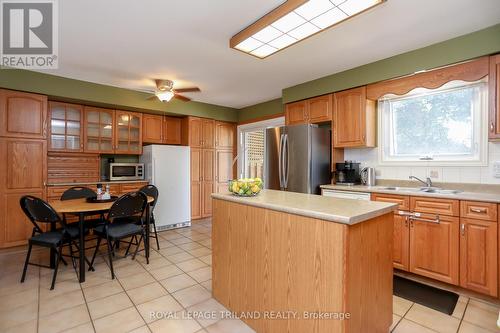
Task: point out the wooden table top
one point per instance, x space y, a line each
82 206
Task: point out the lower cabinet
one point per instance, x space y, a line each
202 182
401 249
478 256
434 248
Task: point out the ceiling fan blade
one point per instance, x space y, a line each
182 98
157 83
192 89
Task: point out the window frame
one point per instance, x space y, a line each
259 125
480 122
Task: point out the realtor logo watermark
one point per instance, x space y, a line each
29 34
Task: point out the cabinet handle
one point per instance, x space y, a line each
478 210
406 221
462 229
492 127
436 221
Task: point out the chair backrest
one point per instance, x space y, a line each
78 192
39 211
151 191
130 204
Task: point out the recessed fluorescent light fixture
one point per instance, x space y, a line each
293 21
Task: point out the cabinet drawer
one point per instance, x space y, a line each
55 192
401 200
478 210
435 206
132 187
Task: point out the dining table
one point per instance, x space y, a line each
82 208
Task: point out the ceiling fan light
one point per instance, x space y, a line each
165 96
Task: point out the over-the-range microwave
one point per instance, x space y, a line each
126 171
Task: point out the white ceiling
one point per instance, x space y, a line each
126 43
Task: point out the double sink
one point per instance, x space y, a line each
430 189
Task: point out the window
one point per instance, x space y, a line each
251 147
435 126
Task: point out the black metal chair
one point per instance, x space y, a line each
152 191
81 192
39 211
120 224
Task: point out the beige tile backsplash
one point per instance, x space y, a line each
445 174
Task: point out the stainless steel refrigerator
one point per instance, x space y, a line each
297 158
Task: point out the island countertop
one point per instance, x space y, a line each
346 211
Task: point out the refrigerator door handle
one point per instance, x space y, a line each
287 156
280 160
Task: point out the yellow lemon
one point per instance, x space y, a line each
255 189
236 188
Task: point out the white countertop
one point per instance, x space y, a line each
344 211
473 196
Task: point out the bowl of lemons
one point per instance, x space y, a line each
246 187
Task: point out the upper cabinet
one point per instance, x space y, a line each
354 120
99 130
225 135
128 138
494 98
313 110
161 129
23 115
152 128
199 132
208 133
65 127
112 132
172 130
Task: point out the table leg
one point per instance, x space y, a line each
82 249
52 252
146 241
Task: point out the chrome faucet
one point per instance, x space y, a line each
427 182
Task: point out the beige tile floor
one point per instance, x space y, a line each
176 281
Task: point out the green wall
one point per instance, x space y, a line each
272 107
70 90
476 44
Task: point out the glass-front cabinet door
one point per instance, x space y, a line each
99 127
128 136
65 127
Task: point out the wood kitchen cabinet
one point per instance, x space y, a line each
494 98
99 130
23 115
478 256
225 135
152 128
354 119
128 135
224 169
208 181
312 110
23 171
112 131
196 182
401 246
161 129
65 127
208 133
434 247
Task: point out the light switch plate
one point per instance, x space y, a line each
496 169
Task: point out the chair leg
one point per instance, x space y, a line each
26 263
130 244
95 252
58 258
156 234
137 247
110 256
71 253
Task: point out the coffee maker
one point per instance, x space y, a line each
347 173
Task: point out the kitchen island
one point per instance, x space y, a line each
291 262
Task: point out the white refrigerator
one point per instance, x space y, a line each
168 168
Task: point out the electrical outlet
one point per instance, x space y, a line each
496 169
434 174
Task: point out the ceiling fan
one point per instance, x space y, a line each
165 91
